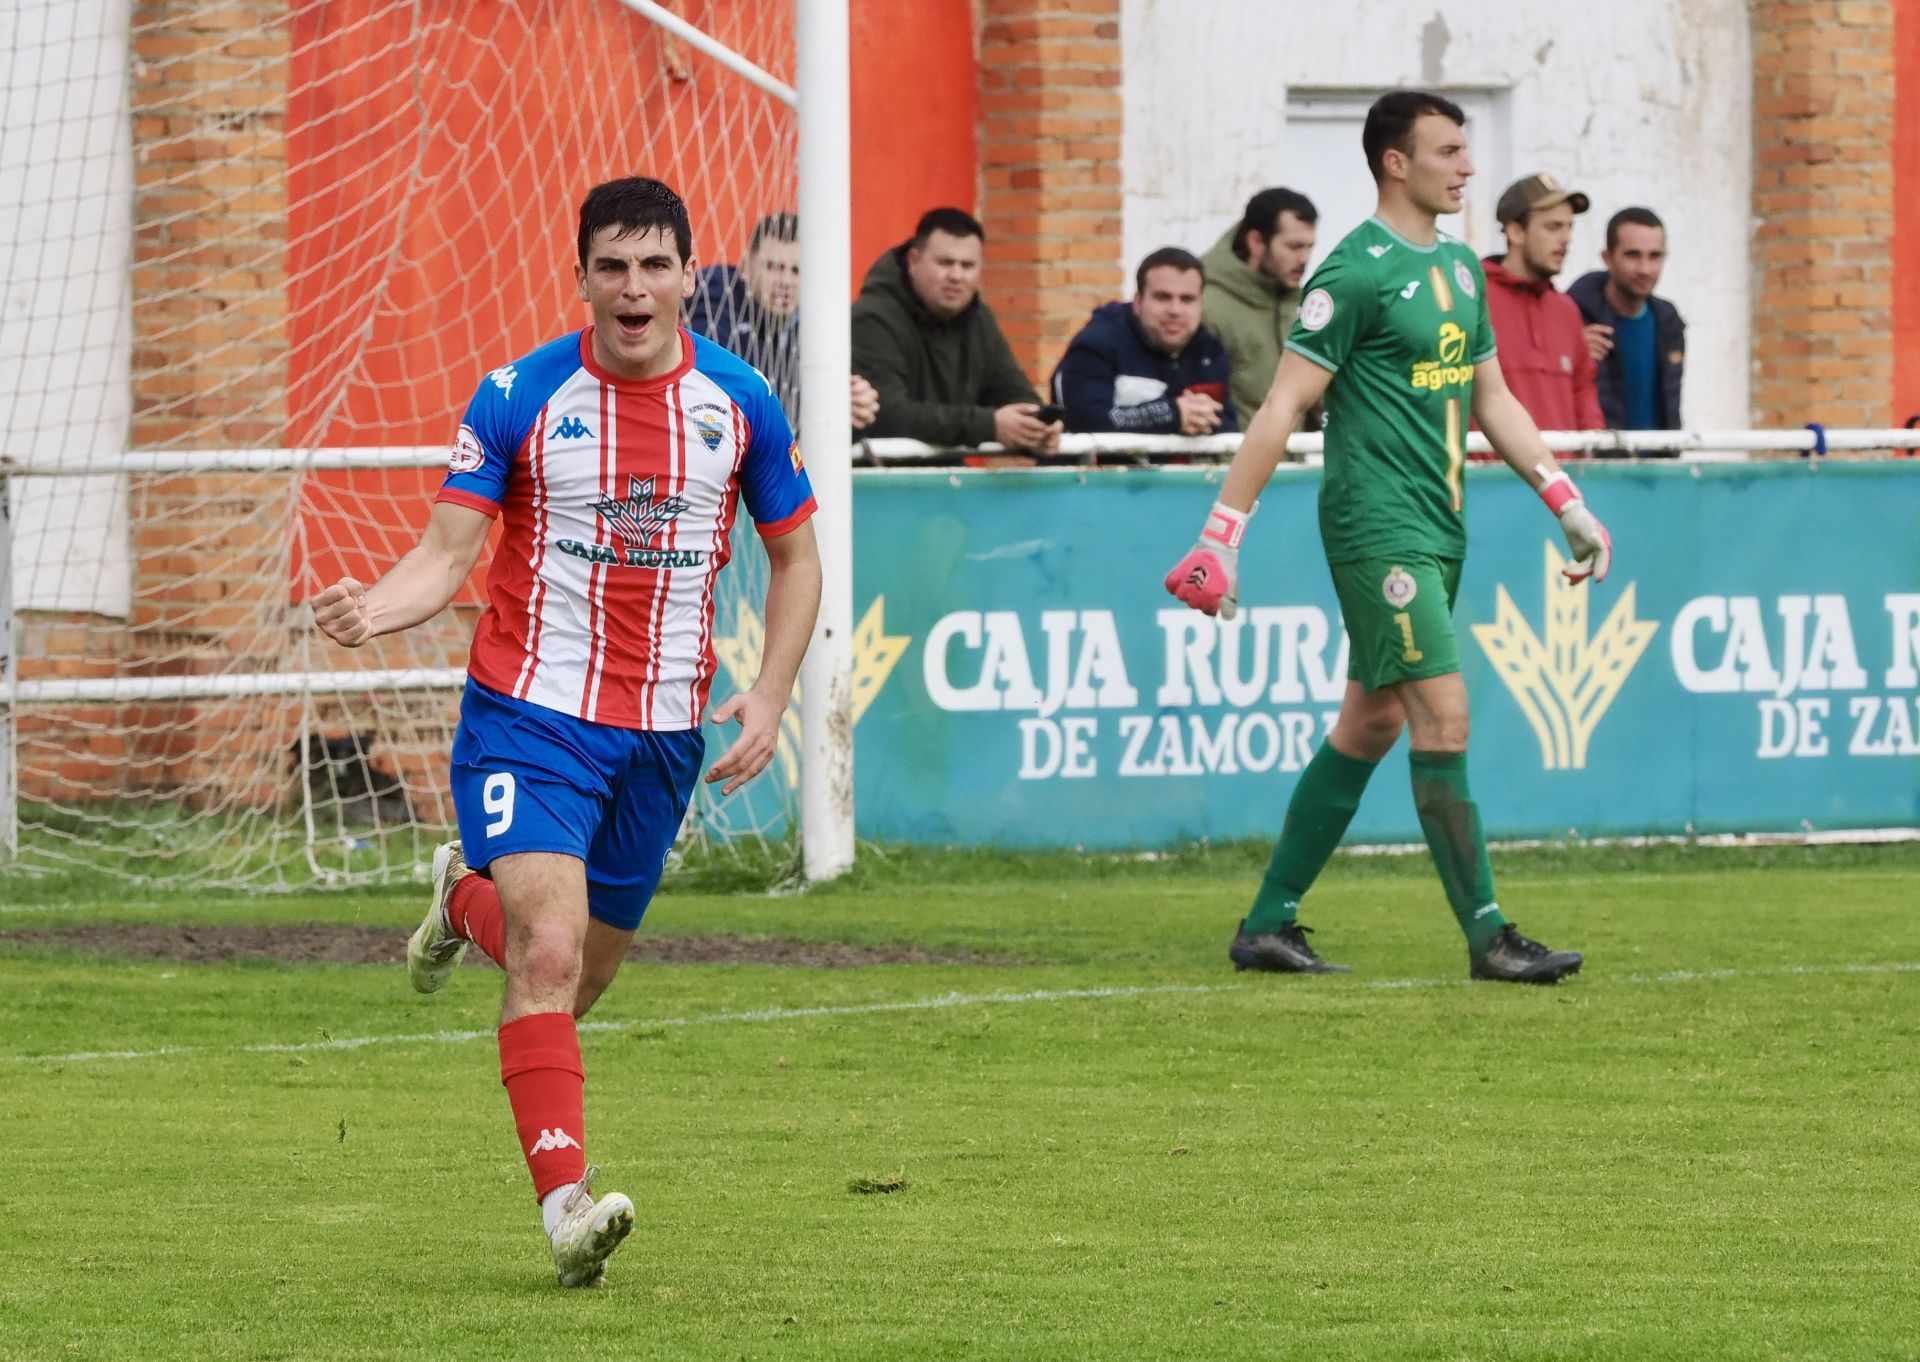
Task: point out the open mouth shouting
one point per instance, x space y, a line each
633 325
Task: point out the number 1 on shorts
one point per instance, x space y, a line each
1409 653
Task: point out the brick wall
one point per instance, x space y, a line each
1823 204
1049 168
210 343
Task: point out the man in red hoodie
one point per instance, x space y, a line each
1542 337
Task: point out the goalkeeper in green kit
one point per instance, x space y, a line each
1393 336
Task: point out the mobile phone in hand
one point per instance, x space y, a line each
1049 414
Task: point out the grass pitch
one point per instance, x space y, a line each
1702 1147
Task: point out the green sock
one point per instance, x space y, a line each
1451 821
1323 804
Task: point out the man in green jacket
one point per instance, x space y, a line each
1254 274
932 349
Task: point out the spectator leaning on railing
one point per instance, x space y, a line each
754 311
1638 339
1543 343
929 344
1148 366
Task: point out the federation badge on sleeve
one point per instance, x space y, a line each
1316 310
467 454
1399 588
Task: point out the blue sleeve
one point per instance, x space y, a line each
484 447
773 480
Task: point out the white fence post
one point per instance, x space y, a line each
826 225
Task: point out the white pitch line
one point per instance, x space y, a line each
770 1014
937 1003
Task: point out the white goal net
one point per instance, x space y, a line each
300 233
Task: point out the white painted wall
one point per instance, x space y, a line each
66 324
1637 102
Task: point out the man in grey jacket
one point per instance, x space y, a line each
1254 274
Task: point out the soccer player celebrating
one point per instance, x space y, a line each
615 458
1393 334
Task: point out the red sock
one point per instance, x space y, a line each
474 910
540 1066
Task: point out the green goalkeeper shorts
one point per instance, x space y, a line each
1399 615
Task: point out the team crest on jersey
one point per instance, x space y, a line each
710 423
1316 310
467 454
1399 588
1463 277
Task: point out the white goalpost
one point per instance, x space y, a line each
266 253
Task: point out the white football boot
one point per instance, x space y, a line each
434 949
588 1232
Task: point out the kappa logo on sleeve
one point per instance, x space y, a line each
502 378
467 454
1317 309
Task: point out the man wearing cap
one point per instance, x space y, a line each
1542 337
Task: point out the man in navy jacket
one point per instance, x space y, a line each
1637 337
1149 366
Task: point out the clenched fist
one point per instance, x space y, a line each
341 613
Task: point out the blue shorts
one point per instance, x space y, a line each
528 778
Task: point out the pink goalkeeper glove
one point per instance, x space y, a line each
1207 578
1587 538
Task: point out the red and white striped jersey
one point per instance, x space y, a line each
616 500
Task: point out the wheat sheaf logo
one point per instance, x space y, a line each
875 652
1565 683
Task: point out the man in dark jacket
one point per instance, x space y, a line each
1149 366
1638 339
754 310
932 349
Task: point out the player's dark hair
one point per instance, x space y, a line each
1390 124
1168 255
634 204
1263 215
1638 217
952 221
778 226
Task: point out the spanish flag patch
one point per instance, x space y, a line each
793 454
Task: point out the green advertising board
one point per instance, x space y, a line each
1022 679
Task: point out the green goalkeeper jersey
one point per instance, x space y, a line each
1400 327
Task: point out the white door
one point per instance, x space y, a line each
1325 162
